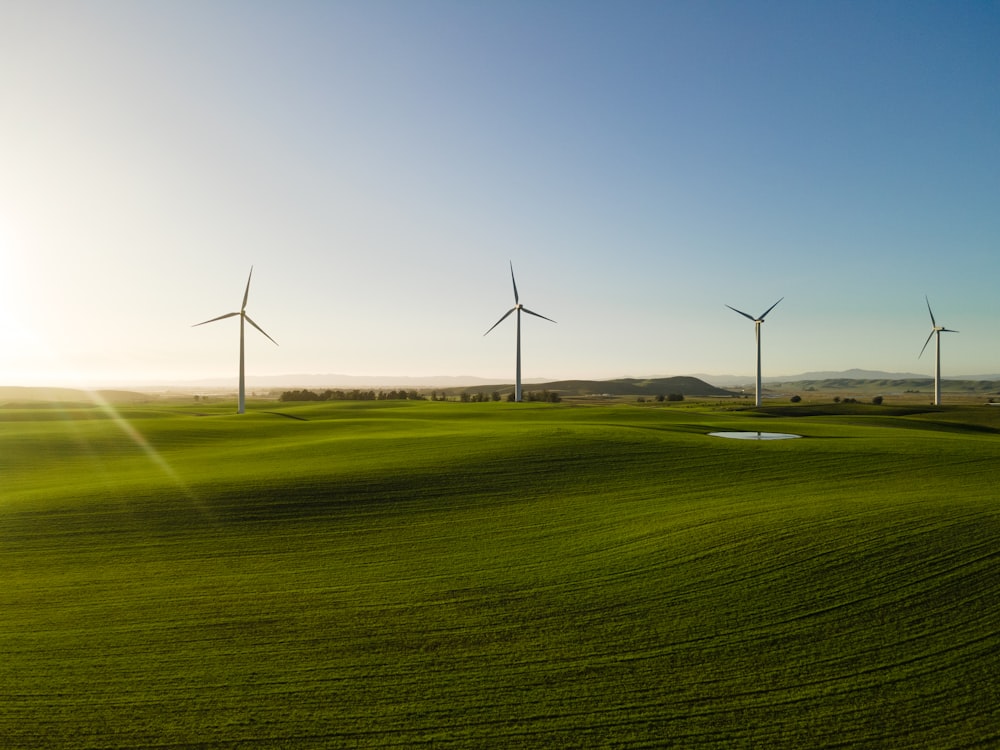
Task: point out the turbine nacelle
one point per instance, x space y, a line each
760 318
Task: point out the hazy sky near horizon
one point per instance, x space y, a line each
379 163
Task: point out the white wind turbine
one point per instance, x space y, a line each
243 317
518 307
757 321
936 330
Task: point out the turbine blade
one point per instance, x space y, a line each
513 282
525 309
246 293
769 309
501 319
929 337
259 328
948 330
933 322
227 315
748 317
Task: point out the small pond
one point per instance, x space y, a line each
755 435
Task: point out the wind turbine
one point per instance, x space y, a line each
756 321
518 307
243 317
936 330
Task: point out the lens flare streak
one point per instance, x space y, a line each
140 440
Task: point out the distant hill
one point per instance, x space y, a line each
683 384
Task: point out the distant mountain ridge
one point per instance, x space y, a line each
692 385
337 380
855 374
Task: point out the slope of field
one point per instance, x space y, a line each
27 396
401 574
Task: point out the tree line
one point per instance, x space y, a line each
352 395
410 395
550 396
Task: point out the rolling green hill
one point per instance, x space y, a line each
406 574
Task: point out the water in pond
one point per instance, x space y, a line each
755 435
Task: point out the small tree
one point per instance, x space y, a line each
675 397
877 401
795 399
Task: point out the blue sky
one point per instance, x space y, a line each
642 165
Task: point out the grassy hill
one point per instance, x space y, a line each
687 386
405 574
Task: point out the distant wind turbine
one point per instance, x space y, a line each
757 321
936 330
243 316
518 307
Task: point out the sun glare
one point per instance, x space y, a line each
140 440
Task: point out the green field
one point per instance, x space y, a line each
405 574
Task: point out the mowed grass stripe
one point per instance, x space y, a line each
475 576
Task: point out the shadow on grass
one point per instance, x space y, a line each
287 416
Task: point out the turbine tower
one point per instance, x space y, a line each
756 322
936 330
518 307
243 317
